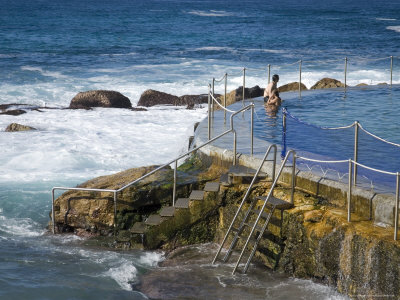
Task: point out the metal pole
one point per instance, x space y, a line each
345 73
300 77
355 151
396 216
244 82
212 99
115 213
283 153
52 211
293 178
349 193
209 112
252 129
226 84
174 189
234 147
391 70
269 73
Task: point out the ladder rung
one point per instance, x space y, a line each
263 214
258 228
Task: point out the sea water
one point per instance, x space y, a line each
51 50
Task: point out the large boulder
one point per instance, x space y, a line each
152 97
237 95
100 98
327 83
293 86
192 100
18 127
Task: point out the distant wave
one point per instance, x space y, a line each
230 49
210 13
395 28
43 72
385 19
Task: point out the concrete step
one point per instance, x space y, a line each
182 203
224 180
211 187
154 220
242 171
139 227
197 195
279 203
167 211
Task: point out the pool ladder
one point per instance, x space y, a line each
264 214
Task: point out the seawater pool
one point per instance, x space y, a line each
314 114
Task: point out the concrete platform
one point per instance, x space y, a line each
211 187
139 227
154 220
182 203
167 211
196 195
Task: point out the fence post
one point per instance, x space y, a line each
349 193
269 73
174 189
283 152
244 83
355 151
345 73
115 212
293 178
234 147
396 216
252 129
300 63
209 111
226 84
391 70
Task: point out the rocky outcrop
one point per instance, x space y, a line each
18 127
237 95
100 98
327 83
293 86
13 112
153 97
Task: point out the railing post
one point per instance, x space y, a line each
283 153
234 147
52 211
345 73
300 63
226 86
174 188
391 70
396 216
269 73
212 99
115 212
209 111
293 183
355 151
244 84
349 193
252 129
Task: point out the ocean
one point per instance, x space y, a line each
51 50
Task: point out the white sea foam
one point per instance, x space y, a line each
210 13
395 28
151 258
385 19
23 227
124 275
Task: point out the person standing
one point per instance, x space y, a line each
271 94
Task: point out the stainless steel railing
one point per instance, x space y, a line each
174 161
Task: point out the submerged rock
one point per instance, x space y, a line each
18 127
100 98
13 112
327 83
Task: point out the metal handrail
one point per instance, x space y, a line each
115 191
267 199
274 147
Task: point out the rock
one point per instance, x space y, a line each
100 98
293 86
191 100
13 112
152 97
362 84
237 95
138 109
18 127
327 83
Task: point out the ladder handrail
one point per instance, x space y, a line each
266 201
115 191
273 146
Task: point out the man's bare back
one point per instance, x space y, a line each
271 91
